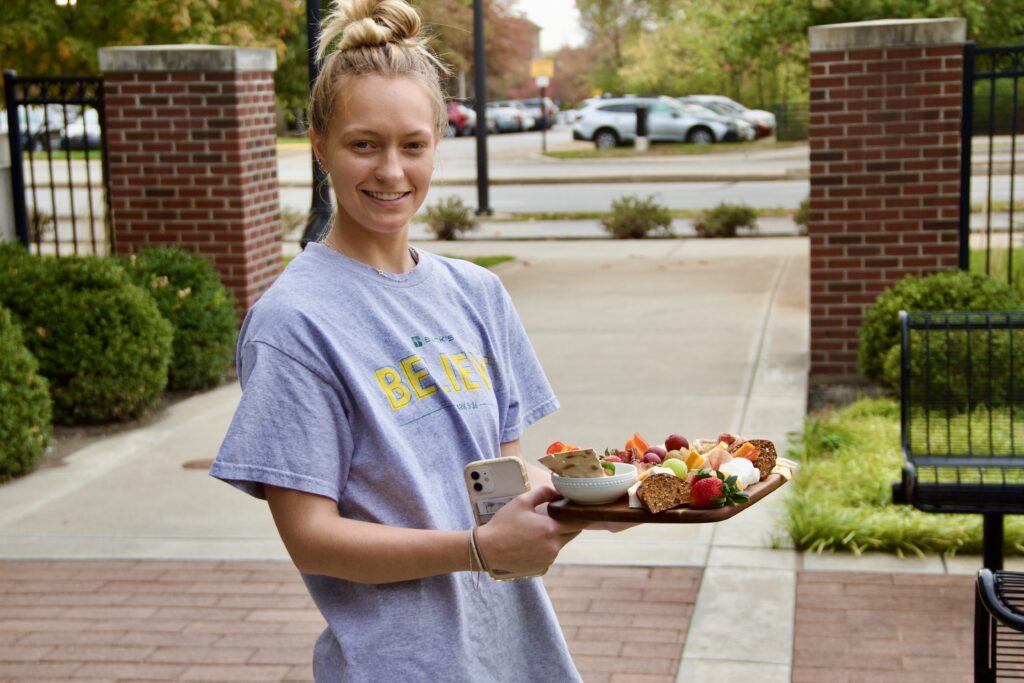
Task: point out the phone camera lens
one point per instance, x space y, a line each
474 475
478 486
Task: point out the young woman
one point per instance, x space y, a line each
372 374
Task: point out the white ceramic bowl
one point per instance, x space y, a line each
597 490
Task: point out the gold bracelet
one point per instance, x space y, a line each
472 550
476 549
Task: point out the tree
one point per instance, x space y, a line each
40 38
752 50
571 83
511 41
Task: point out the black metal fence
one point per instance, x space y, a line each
59 173
993 120
790 120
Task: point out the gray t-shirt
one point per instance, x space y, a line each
376 391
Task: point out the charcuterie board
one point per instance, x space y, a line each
619 511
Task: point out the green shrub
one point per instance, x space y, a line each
449 218
634 218
99 339
292 222
190 296
724 220
19 272
26 409
879 352
802 215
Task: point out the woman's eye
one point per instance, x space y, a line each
361 145
416 146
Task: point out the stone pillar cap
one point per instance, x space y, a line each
196 58
887 33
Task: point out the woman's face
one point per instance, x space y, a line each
379 151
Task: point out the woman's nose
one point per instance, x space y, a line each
390 166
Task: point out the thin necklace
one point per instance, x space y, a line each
390 276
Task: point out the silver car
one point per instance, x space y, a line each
611 122
762 121
739 129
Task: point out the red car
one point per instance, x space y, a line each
461 120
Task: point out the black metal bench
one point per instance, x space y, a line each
999 653
962 424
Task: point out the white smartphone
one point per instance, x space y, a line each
491 484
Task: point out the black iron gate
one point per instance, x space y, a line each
993 111
59 172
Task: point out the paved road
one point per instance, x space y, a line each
523 180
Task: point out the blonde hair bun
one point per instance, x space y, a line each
369 23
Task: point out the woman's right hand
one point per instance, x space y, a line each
521 539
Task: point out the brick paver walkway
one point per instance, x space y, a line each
114 621
883 628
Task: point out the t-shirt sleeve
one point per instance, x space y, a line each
529 396
290 429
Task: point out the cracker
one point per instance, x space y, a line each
582 464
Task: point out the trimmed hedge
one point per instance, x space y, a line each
25 408
449 218
99 339
190 296
724 220
633 217
956 290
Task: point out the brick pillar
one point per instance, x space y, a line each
884 133
192 152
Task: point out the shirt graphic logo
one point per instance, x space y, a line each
419 341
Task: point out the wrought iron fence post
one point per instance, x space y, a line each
966 131
14 142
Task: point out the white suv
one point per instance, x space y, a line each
612 122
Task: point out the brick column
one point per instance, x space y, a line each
192 152
884 133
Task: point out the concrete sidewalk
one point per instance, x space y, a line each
655 336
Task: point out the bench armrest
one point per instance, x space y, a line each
995 606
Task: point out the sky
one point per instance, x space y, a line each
558 19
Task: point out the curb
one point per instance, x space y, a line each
632 178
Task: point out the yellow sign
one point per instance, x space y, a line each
542 67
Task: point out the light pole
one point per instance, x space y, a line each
480 88
320 207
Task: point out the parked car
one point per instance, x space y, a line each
525 114
763 121
83 132
461 120
502 118
38 125
611 122
547 116
739 129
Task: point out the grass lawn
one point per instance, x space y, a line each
670 149
775 212
842 496
63 155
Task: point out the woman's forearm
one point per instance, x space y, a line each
321 542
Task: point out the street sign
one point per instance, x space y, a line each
543 81
542 67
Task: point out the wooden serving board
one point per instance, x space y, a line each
619 511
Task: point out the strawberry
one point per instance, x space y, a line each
712 489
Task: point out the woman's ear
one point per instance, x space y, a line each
316 143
